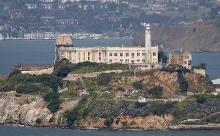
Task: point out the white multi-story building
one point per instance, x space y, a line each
127 55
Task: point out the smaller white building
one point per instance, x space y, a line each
200 71
141 100
216 83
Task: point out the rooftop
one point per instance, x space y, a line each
216 81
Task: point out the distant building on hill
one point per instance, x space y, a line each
216 84
200 71
182 58
147 54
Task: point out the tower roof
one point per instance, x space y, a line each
64 40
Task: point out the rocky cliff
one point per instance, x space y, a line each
32 111
26 110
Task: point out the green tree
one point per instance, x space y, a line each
104 79
183 83
138 85
109 121
54 101
62 71
156 92
162 57
201 99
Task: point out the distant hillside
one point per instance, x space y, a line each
193 37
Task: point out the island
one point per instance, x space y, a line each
110 96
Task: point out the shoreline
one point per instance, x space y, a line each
83 128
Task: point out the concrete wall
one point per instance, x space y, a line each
39 72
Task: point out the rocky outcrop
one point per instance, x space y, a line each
25 110
171 84
199 83
151 122
31 110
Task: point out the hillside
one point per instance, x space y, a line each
193 37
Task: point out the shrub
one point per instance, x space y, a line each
183 83
62 71
104 79
138 85
158 108
79 112
162 57
71 117
14 73
140 105
156 92
109 121
31 88
50 81
53 99
201 99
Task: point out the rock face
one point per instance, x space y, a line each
151 122
25 110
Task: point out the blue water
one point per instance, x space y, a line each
42 52
22 131
212 60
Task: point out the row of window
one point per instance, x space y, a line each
126 54
127 60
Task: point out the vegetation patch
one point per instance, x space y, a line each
196 107
54 101
63 67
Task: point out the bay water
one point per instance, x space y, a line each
26 131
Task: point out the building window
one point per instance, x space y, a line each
88 58
154 54
121 60
121 54
132 55
143 54
115 54
100 56
138 60
132 61
138 54
110 60
110 54
88 53
143 60
79 56
127 54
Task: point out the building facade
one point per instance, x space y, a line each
125 55
182 58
